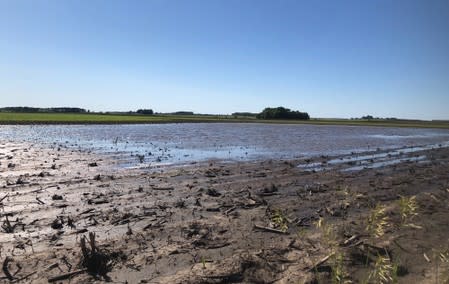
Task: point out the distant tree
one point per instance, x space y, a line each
369 117
145 111
282 113
66 110
183 113
248 114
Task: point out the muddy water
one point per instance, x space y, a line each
143 145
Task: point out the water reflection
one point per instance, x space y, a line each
156 144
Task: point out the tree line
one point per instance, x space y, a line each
46 110
267 113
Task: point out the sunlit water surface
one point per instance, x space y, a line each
157 144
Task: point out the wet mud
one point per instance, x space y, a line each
67 216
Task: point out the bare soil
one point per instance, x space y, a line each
251 222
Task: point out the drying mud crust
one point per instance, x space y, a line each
70 216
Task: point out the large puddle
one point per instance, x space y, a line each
158 144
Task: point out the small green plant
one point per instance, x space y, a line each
377 222
383 271
408 208
339 274
329 237
395 273
203 261
279 220
328 233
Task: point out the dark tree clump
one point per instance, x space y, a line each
247 114
282 113
183 113
145 111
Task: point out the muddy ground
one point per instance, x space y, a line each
242 222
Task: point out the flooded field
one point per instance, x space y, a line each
251 221
148 145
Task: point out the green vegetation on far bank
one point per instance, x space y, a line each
96 118
99 118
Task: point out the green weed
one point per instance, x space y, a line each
339 274
279 220
377 222
408 208
382 272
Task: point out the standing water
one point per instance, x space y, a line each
185 143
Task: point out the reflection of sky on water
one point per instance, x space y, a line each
184 143
373 160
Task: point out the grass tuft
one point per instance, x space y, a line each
279 220
377 222
382 272
408 208
339 274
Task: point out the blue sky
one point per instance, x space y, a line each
329 58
